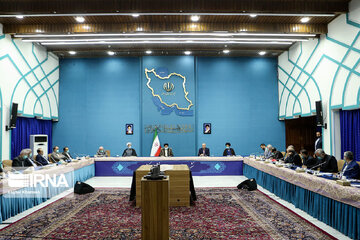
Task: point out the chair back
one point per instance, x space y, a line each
340 164
7 163
107 153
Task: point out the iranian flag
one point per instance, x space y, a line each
156 147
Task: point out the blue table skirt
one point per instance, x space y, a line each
198 168
13 206
341 216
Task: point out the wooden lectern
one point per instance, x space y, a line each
155 209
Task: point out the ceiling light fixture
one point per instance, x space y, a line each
165 42
148 52
135 15
20 16
173 14
80 19
187 52
195 18
262 53
165 34
72 52
87 27
111 53
139 29
253 15
226 51
305 19
187 39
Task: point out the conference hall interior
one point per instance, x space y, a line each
191 119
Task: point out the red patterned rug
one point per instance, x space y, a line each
218 214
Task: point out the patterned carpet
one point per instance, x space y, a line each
218 214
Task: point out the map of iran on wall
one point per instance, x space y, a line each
169 92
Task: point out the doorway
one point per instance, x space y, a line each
300 132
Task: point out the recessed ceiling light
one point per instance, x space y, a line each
111 53
86 27
38 31
80 19
72 52
139 29
135 15
262 53
19 16
187 52
148 52
195 18
253 15
226 51
305 19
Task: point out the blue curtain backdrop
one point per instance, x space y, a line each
350 132
20 136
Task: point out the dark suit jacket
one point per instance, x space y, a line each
19 162
225 153
330 164
294 159
170 153
133 153
67 156
318 144
352 171
310 162
40 159
277 155
207 152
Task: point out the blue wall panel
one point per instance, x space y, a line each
238 96
98 97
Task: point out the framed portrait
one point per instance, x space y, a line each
129 129
207 128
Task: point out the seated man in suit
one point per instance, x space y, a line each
56 155
228 150
101 152
67 154
40 158
268 152
276 154
24 159
308 160
351 169
166 151
328 163
129 151
204 151
293 158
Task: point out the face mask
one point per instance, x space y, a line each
320 158
67 151
166 147
227 147
57 150
101 150
25 156
129 147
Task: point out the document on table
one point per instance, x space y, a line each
166 167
